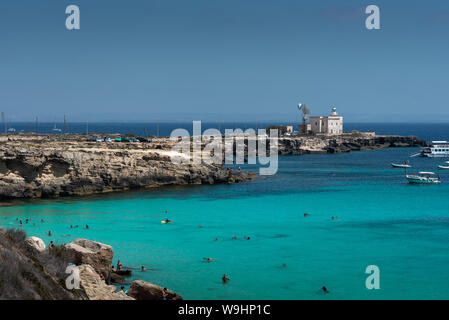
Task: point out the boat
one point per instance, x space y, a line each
124 273
56 129
443 167
164 221
11 130
437 149
403 165
423 177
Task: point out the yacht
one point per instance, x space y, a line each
437 149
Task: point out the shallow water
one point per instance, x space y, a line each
382 220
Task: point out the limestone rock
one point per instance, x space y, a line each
47 168
97 255
95 287
142 290
36 243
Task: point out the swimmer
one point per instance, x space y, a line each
208 259
143 269
306 214
51 245
49 233
119 265
225 279
87 227
325 289
334 218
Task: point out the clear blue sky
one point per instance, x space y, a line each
224 60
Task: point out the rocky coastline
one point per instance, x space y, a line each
34 166
41 167
32 270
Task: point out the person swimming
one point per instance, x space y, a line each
51 245
324 289
208 259
306 214
225 279
143 269
49 233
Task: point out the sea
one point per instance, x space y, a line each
361 212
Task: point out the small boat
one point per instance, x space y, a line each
423 177
11 130
403 165
164 221
56 129
443 167
124 273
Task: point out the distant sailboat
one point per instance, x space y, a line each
56 129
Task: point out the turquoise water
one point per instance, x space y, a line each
382 220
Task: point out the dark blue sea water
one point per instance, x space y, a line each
382 220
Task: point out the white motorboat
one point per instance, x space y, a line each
403 165
423 177
443 167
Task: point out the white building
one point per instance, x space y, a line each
333 124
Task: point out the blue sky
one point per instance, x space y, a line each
228 60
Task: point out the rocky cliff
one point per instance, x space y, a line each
345 143
53 166
35 169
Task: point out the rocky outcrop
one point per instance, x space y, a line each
97 255
344 143
36 243
96 288
27 274
42 169
142 290
31 274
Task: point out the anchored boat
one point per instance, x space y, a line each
403 165
423 177
437 149
444 166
